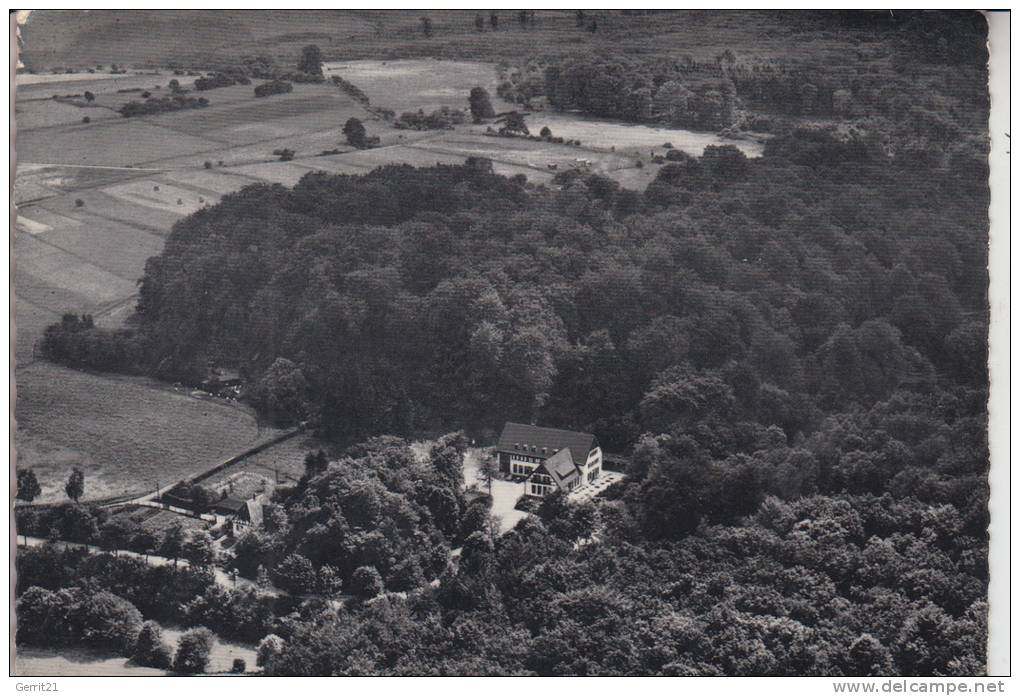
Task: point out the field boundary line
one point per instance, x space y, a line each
79 257
140 226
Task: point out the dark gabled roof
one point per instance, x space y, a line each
560 468
517 435
230 506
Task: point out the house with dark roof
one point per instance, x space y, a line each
548 459
242 514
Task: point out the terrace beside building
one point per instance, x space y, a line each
548 459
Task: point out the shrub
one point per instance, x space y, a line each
296 575
86 120
159 105
193 650
354 131
78 203
207 164
269 647
150 650
105 620
238 666
272 87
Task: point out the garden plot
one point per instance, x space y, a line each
286 459
156 520
124 432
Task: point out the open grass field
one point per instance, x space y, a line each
56 279
409 85
116 142
97 37
124 432
242 121
81 662
629 137
45 113
36 86
77 662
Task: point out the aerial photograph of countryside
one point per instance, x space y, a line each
501 343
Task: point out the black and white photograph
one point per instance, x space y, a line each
506 342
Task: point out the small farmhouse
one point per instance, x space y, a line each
241 514
549 459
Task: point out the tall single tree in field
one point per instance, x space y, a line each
426 27
28 485
479 22
354 130
311 60
75 487
481 106
494 21
522 18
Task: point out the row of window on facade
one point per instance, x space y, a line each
534 448
520 469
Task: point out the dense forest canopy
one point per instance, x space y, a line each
790 350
